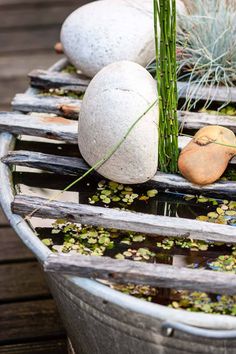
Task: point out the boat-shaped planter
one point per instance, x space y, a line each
99 319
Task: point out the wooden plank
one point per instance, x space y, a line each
29 320
59 164
74 166
220 94
156 275
22 281
62 106
15 79
123 220
35 3
3 219
12 248
54 346
41 125
5 106
53 79
12 67
9 87
24 17
25 40
68 107
46 126
178 183
193 120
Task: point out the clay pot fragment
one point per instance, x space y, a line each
206 157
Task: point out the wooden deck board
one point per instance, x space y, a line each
12 248
52 15
22 64
25 40
29 320
54 346
29 283
3 219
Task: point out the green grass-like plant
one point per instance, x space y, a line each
207 46
206 49
165 40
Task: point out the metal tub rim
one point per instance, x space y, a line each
182 318
27 235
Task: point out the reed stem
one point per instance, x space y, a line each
165 41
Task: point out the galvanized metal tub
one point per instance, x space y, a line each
101 320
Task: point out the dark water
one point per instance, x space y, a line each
171 204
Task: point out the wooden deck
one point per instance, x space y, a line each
28 31
29 320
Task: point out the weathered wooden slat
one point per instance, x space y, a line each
40 125
52 79
22 63
8 89
26 16
50 127
28 284
156 275
29 320
25 40
69 107
74 166
34 3
15 79
52 346
5 106
3 219
178 183
193 120
59 164
12 248
45 79
220 94
64 106
124 220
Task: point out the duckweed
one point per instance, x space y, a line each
224 263
225 213
113 192
89 240
70 69
143 292
201 302
194 245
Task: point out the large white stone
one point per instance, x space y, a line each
106 31
102 32
115 98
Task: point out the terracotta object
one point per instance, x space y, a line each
204 159
58 48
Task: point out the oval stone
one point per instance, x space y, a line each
116 97
106 31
